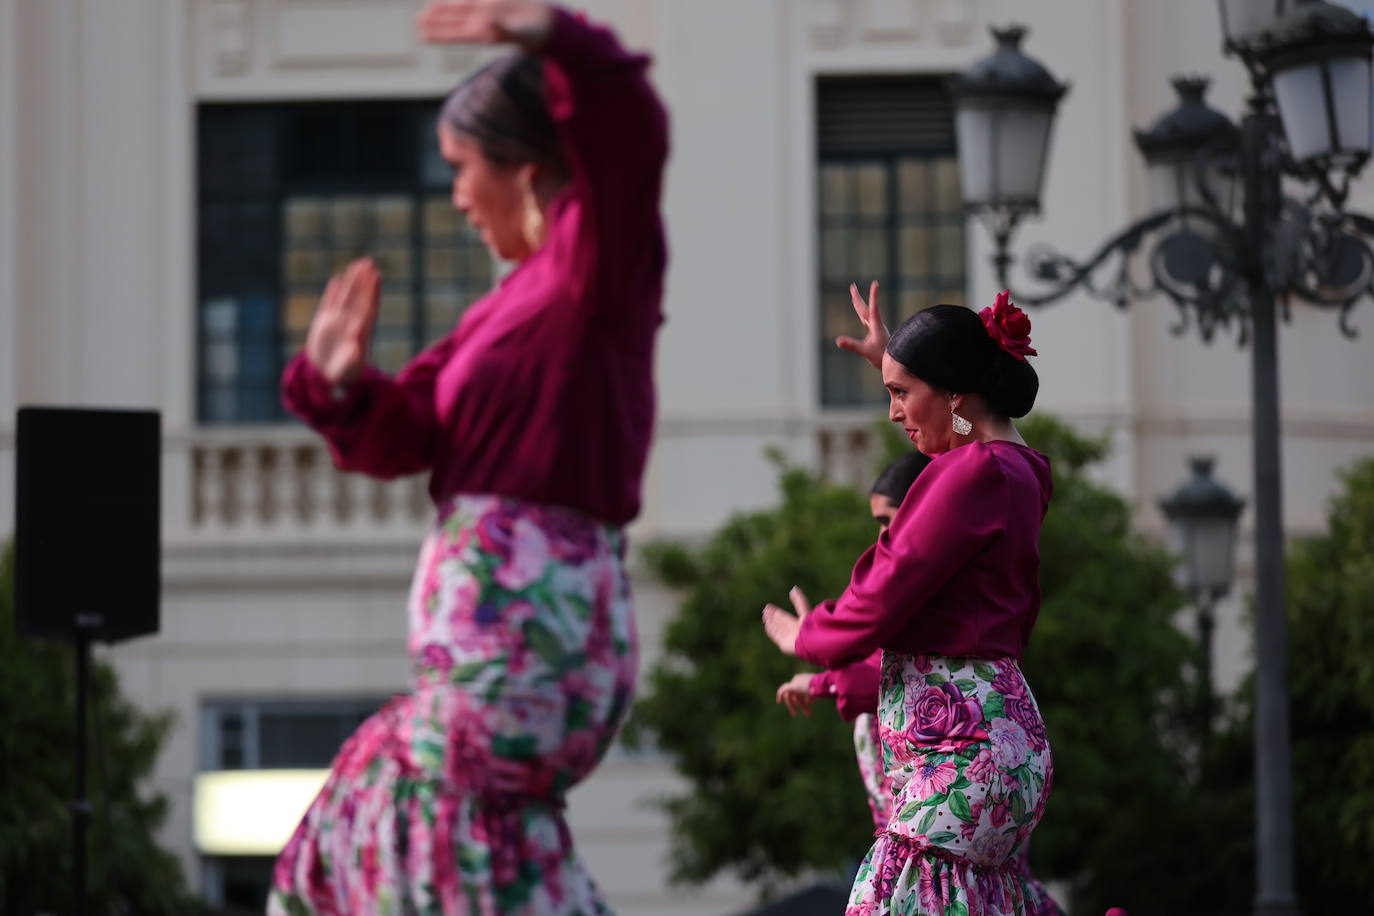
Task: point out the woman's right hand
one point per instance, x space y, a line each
796 693
874 343
521 22
336 343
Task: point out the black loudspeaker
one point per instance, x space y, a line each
87 523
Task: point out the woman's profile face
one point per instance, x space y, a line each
921 410
884 509
490 195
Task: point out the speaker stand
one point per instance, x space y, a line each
87 625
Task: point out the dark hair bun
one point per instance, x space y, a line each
948 347
1011 386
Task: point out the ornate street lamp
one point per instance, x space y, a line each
1004 109
1219 264
1203 516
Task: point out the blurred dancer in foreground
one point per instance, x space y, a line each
532 419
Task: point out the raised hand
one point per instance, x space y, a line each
796 693
874 343
783 627
522 22
336 343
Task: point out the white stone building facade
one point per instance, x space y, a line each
284 584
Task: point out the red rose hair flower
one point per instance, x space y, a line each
1008 326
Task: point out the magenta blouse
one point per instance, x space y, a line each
958 571
544 391
854 687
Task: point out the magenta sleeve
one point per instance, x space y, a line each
614 133
822 684
953 510
856 687
379 425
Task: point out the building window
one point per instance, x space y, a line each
285 745
288 194
889 210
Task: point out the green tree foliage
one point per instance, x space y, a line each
1116 682
128 872
1199 831
1331 678
771 797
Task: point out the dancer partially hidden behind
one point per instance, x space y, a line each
949 593
533 419
854 687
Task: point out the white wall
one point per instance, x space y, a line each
9 232
97 281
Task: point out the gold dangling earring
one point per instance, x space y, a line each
533 227
962 426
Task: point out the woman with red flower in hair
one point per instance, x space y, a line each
949 594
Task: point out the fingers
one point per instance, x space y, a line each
370 289
794 701
850 344
774 617
457 21
781 628
799 602
874 319
860 307
329 299
348 285
361 293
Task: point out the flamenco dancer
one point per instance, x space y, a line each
854 688
532 419
949 593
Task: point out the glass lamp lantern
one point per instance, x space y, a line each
1318 62
1174 144
1004 108
1203 517
1244 23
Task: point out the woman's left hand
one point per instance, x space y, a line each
796 694
783 627
522 22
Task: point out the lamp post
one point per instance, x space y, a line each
1202 515
1308 120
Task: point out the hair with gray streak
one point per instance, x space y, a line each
502 109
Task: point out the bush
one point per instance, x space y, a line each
1331 679
127 871
770 797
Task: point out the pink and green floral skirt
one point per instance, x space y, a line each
868 751
450 799
969 767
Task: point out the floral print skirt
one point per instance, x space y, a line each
969 766
450 799
868 751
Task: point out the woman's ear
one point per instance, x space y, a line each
544 179
527 177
